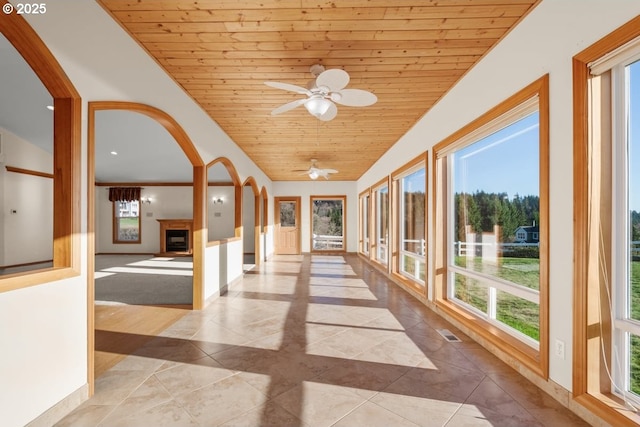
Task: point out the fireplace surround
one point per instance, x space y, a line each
176 237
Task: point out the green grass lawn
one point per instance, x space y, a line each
128 228
520 314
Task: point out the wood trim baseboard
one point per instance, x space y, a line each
25 264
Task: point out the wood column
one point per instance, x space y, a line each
200 234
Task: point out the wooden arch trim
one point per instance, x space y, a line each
66 154
168 122
37 55
250 181
233 173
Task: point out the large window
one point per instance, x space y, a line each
493 176
126 221
365 216
381 196
410 189
626 273
327 222
126 214
607 185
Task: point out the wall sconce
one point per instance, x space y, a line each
146 200
218 200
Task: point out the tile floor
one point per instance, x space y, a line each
314 341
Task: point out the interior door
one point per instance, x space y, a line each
287 216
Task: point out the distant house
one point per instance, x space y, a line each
527 234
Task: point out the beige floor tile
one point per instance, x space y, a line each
315 341
425 412
437 381
365 378
470 415
169 414
114 386
489 397
151 393
185 377
268 415
319 404
221 401
86 415
372 415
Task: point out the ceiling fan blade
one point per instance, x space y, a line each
354 98
286 86
288 106
330 170
331 113
334 79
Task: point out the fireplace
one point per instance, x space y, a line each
176 237
177 240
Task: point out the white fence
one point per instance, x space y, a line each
471 249
328 242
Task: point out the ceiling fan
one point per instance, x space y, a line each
315 172
323 92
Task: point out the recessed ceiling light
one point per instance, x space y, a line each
50 107
114 153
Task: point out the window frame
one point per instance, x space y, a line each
535 359
67 122
375 204
595 210
364 229
116 223
397 208
343 199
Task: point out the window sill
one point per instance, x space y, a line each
608 408
495 337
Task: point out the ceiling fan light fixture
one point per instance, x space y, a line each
317 105
313 175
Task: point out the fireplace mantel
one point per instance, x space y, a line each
171 225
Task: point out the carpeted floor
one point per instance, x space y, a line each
143 279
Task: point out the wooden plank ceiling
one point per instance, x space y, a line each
407 52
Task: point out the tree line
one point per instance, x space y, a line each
482 210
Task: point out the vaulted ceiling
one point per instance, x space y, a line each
409 53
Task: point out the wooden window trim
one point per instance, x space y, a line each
401 172
587 370
373 250
312 198
362 223
114 226
66 156
536 361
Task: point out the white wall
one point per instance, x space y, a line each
320 188
166 203
543 43
44 348
221 216
27 201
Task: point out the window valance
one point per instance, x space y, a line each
124 194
